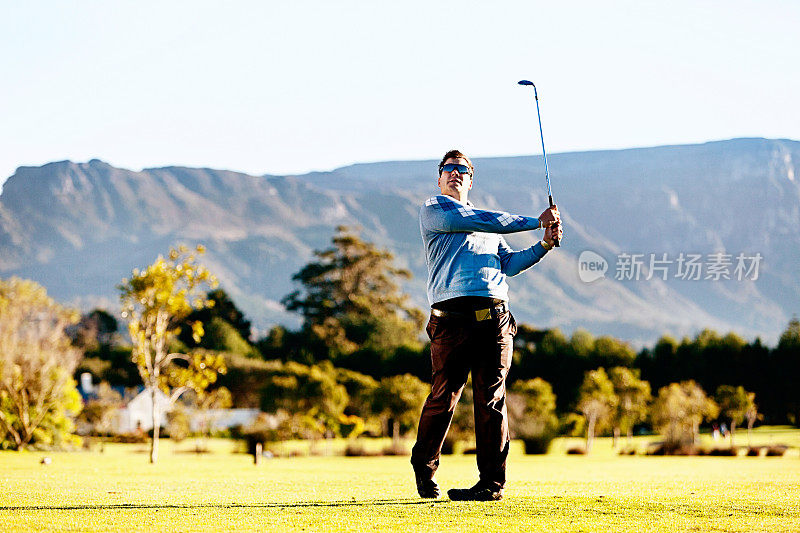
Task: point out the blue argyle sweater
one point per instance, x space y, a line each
466 255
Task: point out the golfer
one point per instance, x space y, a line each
471 328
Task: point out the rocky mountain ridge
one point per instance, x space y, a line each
78 228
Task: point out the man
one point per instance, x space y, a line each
471 328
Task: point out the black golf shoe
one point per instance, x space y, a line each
479 493
426 485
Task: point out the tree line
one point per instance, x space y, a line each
709 359
358 362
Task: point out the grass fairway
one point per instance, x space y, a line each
119 490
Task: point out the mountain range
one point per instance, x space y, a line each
79 228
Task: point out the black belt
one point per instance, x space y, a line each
477 315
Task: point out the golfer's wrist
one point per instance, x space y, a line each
546 245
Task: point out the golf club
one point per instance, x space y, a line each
556 241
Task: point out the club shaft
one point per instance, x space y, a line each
544 153
556 241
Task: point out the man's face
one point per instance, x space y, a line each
454 183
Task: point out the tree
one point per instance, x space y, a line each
678 411
288 345
634 395
559 360
669 416
699 407
155 301
582 343
400 399
37 393
596 402
95 329
532 408
785 370
222 336
659 364
790 338
351 300
245 378
112 364
99 412
751 415
360 390
222 309
309 394
610 351
462 425
734 403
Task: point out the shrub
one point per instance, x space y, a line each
671 448
733 451
449 446
538 445
130 438
357 449
395 449
776 450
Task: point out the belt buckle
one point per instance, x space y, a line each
483 314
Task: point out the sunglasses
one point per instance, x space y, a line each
462 169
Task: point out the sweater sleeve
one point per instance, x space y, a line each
442 214
515 262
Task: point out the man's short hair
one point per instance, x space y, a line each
455 154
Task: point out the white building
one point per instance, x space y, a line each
138 414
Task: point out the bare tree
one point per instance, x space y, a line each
36 364
155 301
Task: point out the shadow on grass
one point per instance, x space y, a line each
123 506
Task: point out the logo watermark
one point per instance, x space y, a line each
591 266
684 266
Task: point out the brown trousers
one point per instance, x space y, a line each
460 345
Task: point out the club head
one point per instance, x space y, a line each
525 82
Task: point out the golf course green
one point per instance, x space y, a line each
117 490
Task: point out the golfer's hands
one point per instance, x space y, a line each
550 216
553 233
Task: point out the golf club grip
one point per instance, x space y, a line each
556 240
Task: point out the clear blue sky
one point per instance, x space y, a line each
288 87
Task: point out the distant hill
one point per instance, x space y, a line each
78 228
